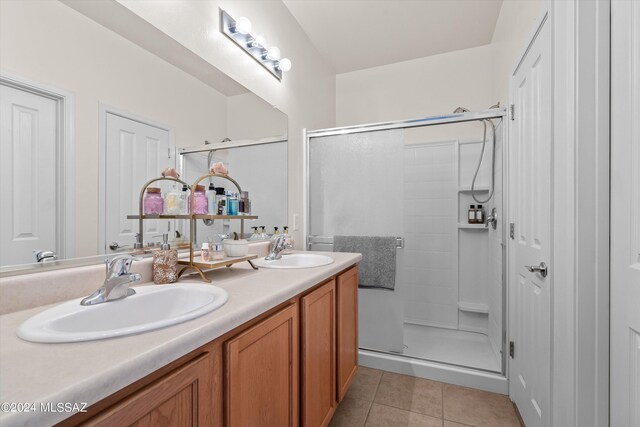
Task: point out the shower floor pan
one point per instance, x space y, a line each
447 355
462 348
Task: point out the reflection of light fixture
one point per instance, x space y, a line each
257 42
256 46
273 53
243 25
284 64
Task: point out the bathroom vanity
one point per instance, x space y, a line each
282 351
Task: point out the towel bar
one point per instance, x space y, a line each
328 240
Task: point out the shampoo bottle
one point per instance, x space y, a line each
212 207
205 252
165 263
480 215
472 214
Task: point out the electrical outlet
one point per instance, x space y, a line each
296 222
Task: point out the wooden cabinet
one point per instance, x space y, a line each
319 355
262 373
347 329
289 366
182 398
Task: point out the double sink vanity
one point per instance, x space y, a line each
275 346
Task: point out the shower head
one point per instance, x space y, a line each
460 110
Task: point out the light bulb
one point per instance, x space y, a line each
256 42
243 25
260 39
284 64
273 53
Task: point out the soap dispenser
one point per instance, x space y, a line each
165 263
288 241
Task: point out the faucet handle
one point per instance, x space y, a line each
120 264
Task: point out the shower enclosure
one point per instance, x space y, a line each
445 318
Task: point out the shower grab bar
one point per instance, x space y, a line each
328 240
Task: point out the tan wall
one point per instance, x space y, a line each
475 78
306 94
418 88
50 43
514 28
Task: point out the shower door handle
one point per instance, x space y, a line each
542 269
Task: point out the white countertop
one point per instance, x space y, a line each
90 371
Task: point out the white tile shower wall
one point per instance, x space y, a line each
430 286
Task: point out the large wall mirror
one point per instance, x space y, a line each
88 116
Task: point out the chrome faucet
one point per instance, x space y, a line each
278 244
117 281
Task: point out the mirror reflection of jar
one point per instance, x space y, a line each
153 203
200 203
176 202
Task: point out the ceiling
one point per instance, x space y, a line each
356 34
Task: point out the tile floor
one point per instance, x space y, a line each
379 399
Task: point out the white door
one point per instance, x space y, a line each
136 152
28 147
625 213
530 195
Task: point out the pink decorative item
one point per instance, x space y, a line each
153 202
219 168
170 172
200 203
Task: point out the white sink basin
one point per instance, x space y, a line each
152 307
295 261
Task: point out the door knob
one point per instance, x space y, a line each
114 246
542 269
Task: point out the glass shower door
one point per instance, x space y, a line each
356 189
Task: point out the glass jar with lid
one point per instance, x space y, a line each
200 203
153 203
175 203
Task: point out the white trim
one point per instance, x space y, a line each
103 110
65 104
580 213
231 144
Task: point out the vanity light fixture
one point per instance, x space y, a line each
239 31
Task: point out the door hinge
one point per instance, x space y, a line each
512 230
511 349
169 152
512 111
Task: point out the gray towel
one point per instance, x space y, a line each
378 266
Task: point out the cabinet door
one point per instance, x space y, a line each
262 373
347 293
182 398
319 356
